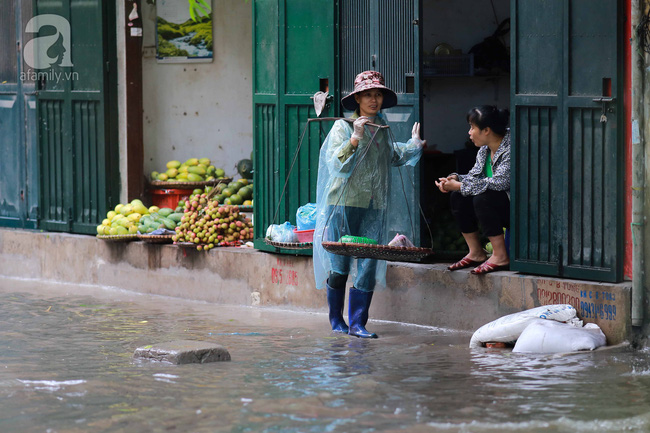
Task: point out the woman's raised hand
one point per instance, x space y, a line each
358 127
415 135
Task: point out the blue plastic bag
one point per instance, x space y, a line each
281 233
306 217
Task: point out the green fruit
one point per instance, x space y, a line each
122 230
236 199
165 211
246 192
219 172
245 168
169 224
172 172
192 177
192 161
173 164
176 216
204 161
235 186
197 169
227 192
154 175
163 176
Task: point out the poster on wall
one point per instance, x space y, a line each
180 39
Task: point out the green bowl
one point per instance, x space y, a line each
347 239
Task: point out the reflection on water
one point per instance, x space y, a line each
66 366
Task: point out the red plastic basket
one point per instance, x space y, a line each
169 197
304 235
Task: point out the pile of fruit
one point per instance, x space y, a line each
135 217
124 219
239 192
192 170
164 218
208 224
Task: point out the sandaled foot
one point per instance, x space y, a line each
487 267
463 263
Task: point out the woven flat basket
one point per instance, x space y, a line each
118 238
187 185
290 245
379 252
156 239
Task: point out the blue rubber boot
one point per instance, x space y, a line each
335 300
358 313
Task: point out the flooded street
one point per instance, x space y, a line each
66 366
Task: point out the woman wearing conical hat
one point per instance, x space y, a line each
353 193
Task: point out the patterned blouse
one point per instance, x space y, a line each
475 182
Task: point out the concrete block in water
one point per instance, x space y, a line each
183 352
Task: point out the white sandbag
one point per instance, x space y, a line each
507 329
547 336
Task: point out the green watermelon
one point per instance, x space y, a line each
245 168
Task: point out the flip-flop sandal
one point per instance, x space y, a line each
463 263
487 267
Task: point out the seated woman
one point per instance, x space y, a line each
483 195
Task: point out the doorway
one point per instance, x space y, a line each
455 78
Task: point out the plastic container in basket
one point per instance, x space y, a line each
304 235
357 240
169 197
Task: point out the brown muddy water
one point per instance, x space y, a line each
66 366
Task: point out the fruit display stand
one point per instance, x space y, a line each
156 239
169 197
290 245
118 238
186 185
246 209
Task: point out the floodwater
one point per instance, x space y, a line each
66 366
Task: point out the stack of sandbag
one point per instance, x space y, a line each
547 336
508 328
553 329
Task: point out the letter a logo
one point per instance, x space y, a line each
39 51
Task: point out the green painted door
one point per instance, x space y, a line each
74 46
293 58
19 165
567 172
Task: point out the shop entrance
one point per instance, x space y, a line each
455 78
562 86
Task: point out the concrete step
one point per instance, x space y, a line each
425 294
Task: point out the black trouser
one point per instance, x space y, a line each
491 209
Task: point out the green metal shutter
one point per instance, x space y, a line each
566 164
385 36
77 122
293 54
19 166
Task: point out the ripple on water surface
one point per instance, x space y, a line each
67 366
